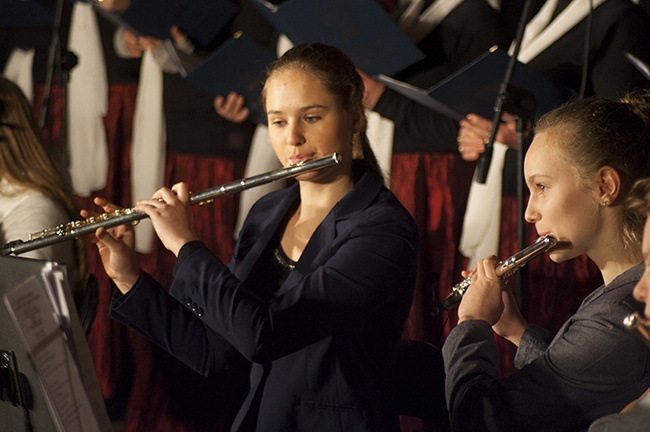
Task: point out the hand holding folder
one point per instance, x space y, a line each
239 65
201 20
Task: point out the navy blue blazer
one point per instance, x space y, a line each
322 347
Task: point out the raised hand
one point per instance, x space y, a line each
170 215
474 133
115 247
232 107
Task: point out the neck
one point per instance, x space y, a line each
609 253
316 198
611 270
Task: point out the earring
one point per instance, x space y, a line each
603 203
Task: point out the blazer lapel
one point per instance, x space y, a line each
341 219
273 220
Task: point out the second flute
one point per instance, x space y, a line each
78 229
504 269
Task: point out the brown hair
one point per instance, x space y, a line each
340 77
24 160
596 132
639 199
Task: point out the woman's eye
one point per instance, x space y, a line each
278 122
311 119
541 188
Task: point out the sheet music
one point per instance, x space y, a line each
38 323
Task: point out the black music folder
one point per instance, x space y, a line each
200 20
360 28
474 89
238 65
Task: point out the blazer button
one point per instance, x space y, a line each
188 301
199 312
194 307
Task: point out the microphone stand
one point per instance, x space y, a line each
53 62
486 158
58 64
483 165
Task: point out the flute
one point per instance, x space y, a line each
504 269
639 325
76 229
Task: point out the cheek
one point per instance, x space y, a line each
578 213
276 145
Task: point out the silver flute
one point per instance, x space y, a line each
639 325
504 269
76 229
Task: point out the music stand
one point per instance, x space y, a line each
24 403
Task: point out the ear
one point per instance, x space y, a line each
359 120
609 182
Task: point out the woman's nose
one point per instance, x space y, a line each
295 135
531 214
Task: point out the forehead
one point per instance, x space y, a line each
544 153
547 162
296 86
294 77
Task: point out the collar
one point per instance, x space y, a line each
625 279
544 30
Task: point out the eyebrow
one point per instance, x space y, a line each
303 109
535 177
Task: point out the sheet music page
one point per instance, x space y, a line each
37 322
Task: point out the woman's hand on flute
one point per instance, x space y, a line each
511 324
483 299
169 210
116 249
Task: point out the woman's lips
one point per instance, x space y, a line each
299 159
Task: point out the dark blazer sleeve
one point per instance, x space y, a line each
417 121
612 73
618 26
173 327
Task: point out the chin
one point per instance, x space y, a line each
556 257
306 176
560 254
